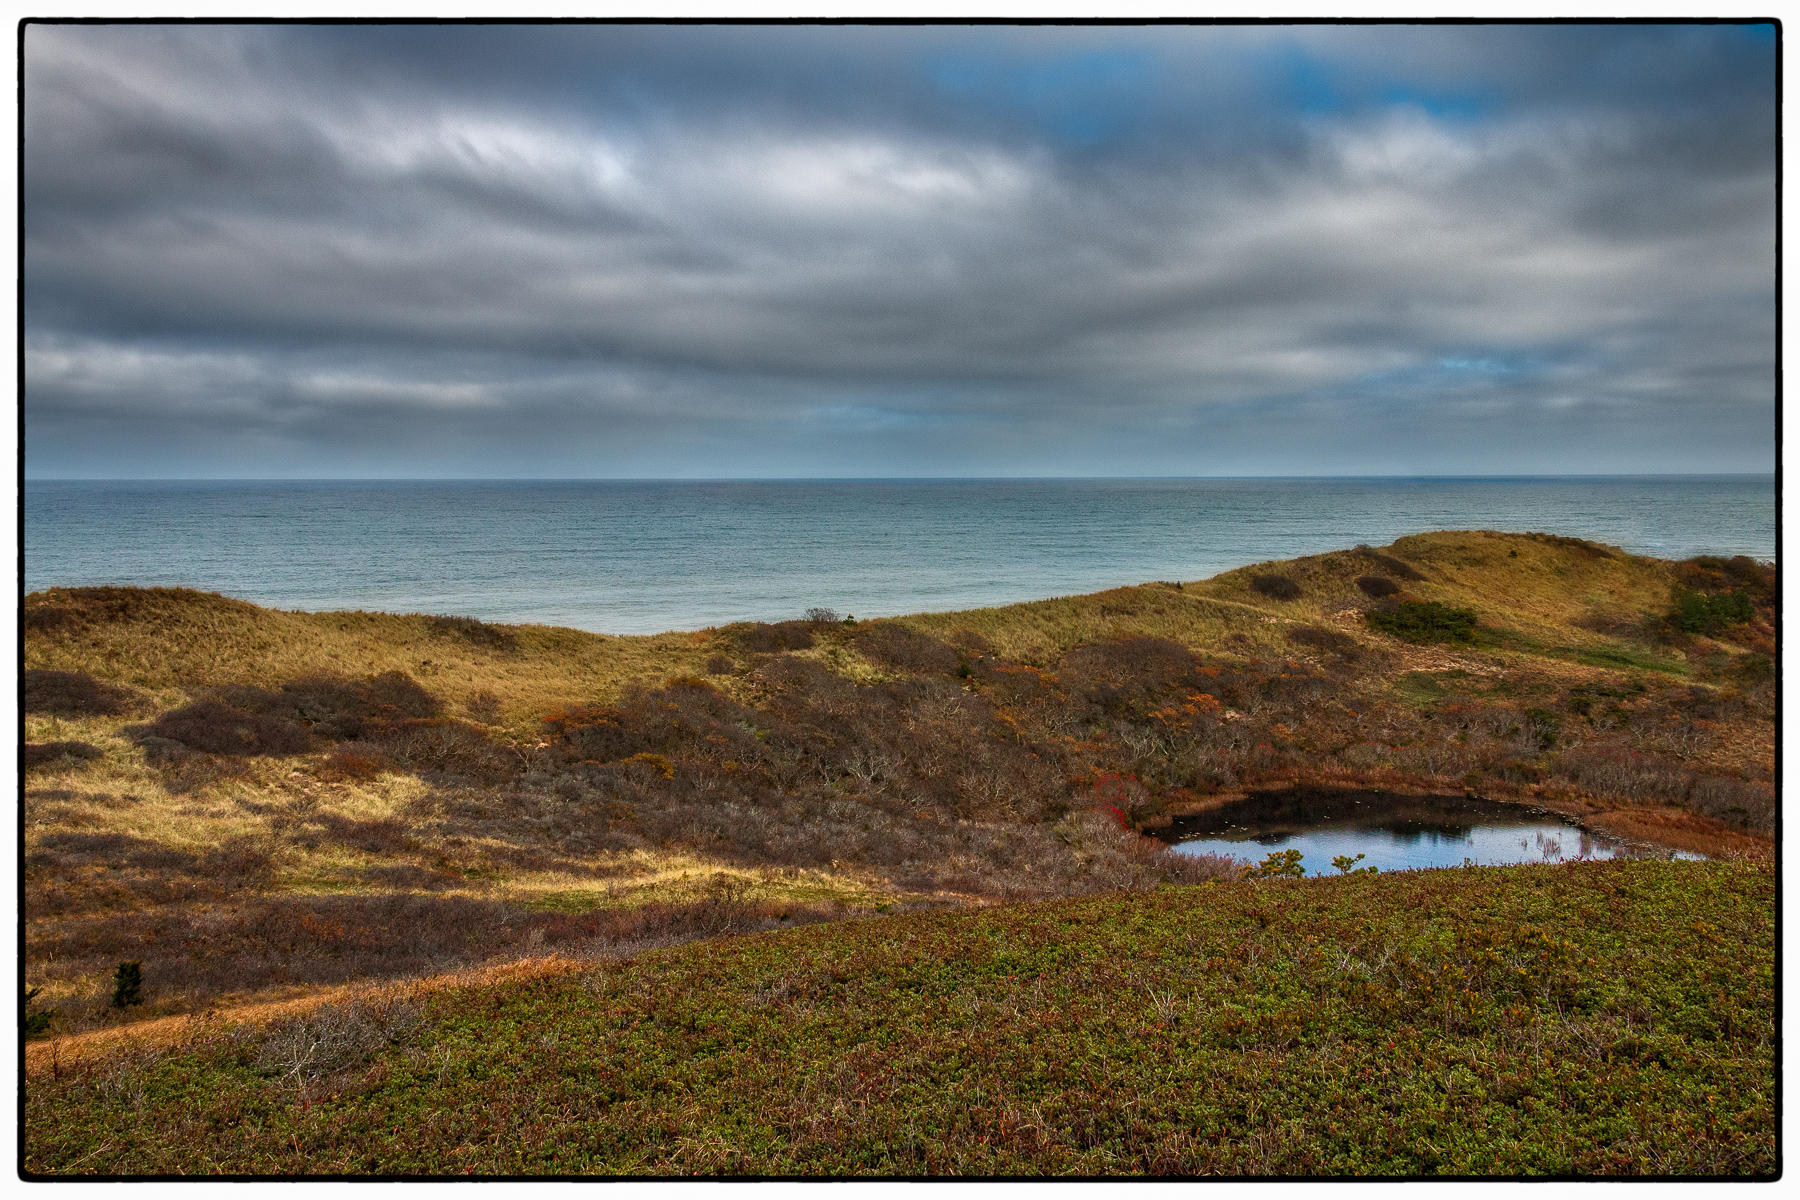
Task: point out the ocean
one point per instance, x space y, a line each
643 557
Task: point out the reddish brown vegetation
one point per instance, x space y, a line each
1319 638
245 720
71 610
476 633
42 754
218 728
906 649
73 694
1275 587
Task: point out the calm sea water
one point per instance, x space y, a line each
640 557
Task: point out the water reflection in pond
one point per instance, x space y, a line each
1392 832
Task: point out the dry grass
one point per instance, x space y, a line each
169 640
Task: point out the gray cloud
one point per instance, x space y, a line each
787 250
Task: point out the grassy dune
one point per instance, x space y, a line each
265 808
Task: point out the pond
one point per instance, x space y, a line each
1392 832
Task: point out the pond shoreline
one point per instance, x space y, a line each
1412 828
1650 827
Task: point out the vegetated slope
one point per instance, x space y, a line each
1589 1018
254 804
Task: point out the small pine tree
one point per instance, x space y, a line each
128 984
1280 864
34 1022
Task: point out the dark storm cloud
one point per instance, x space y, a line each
774 250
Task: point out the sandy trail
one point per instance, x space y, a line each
54 1053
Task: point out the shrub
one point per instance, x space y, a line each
1697 612
1276 587
1708 573
1423 621
1321 638
217 728
1377 586
905 649
128 983
1280 864
1544 726
476 633
353 762
72 694
972 643
446 747
44 753
1124 672
333 707
333 1037
34 1023
339 708
821 616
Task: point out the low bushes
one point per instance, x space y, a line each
216 728
73 694
1709 573
44 753
332 1038
1377 586
443 747
338 708
1599 1018
1697 612
476 633
1127 674
1275 587
355 762
246 721
1424 621
906 649
1320 638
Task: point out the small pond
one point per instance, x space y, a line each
1392 832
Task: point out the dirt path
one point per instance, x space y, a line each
53 1053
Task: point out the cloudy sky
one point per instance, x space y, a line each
602 251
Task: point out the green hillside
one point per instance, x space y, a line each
1591 1019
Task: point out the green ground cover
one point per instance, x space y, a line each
1593 1018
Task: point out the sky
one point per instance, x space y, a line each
620 251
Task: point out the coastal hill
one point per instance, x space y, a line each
293 818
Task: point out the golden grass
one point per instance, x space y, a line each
171 639
1519 583
176 639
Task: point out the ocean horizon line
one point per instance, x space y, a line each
699 479
646 556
